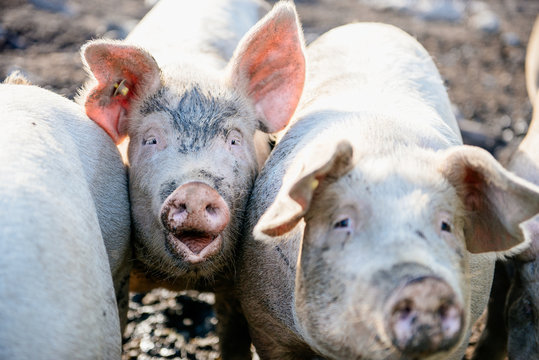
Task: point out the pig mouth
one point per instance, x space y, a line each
193 246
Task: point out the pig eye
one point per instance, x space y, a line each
445 227
150 141
234 138
344 223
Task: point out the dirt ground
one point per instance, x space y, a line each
481 58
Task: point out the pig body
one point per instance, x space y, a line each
194 118
512 327
64 231
367 210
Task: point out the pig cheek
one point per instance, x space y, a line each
241 152
456 242
145 200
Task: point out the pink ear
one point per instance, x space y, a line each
124 74
269 65
295 198
496 201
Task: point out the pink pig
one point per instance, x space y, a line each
194 119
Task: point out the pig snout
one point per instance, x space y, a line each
424 317
194 216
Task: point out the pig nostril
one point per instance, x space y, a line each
211 210
443 311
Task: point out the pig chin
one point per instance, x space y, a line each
193 247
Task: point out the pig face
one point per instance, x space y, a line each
202 152
192 152
384 254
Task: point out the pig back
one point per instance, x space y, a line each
56 292
176 32
414 92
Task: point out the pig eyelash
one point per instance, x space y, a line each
150 141
445 227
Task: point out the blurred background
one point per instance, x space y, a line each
479 47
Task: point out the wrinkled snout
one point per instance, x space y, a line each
194 216
424 317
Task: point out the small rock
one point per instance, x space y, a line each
511 39
150 299
507 135
166 352
520 127
483 18
115 31
146 345
504 121
57 6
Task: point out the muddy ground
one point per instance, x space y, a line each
480 53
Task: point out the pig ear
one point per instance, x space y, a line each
269 66
124 73
298 189
495 200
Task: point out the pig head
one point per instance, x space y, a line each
384 253
192 146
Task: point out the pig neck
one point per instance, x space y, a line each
203 32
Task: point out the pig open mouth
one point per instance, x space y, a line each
194 217
193 246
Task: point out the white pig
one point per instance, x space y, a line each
191 115
376 229
63 208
